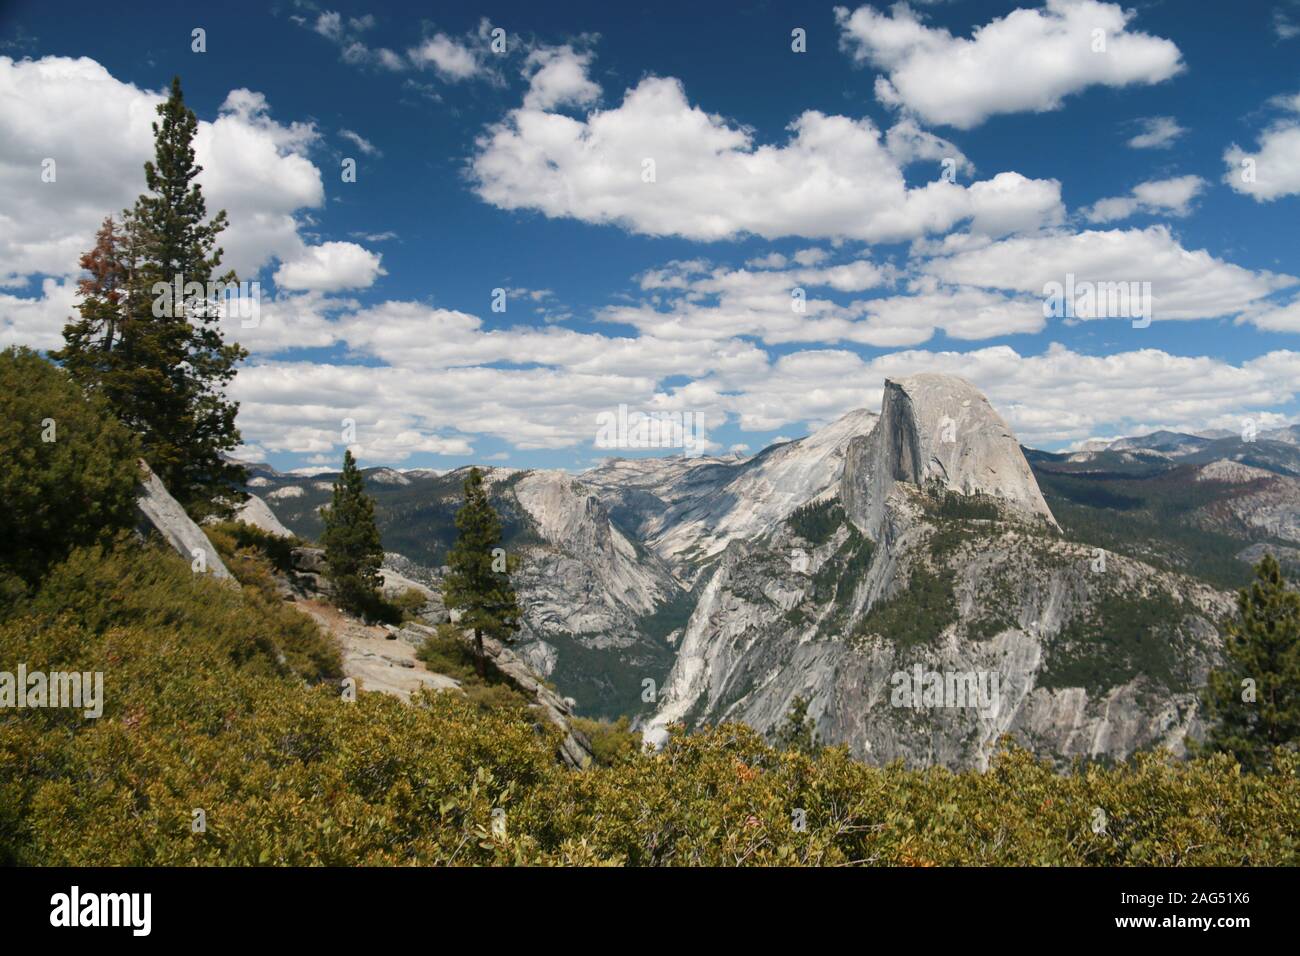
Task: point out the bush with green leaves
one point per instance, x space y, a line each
126 583
447 652
239 535
201 714
612 741
68 468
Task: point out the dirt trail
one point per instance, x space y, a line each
371 655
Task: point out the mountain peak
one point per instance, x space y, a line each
937 428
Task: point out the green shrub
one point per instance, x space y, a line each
408 603
446 653
499 697
612 742
277 549
127 584
198 715
68 471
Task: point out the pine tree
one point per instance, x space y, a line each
479 581
162 365
799 731
1253 701
90 351
353 549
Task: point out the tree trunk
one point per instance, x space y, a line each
480 659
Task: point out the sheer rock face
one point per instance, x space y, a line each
587 591
165 514
764 633
1015 611
687 511
258 513
570 517
585 578
940 430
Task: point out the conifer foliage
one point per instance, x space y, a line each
1254 700
68 468
158 359
353 549
479 582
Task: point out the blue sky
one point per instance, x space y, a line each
522 170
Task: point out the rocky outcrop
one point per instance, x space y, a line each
258 513
910 590
308 560
1025 613
1261 502
1231 472
1287 556
937 431
569 517
372 655
382 657
688 510
164 514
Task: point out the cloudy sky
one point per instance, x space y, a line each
680 211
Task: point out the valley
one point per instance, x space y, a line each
1089 585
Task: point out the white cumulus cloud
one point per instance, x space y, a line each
1273 169
1158 132
1026 61
453 61
660 166
330 267
557 76
96 130
1172 197
1185 284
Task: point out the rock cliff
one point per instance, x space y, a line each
164 514
937 430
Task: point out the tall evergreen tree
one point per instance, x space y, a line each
159 360
799 731
91 340
353 549
1254 700
479 581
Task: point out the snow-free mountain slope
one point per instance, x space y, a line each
690 512
937 430
825 566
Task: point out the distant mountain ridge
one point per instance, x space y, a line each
705 588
